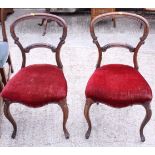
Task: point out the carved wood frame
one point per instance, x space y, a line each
131 48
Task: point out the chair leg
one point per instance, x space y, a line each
4 79
88 104
64 107
146 120
10 118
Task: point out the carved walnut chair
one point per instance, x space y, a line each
38 84
4 52
118 85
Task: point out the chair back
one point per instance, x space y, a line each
50 17
110 45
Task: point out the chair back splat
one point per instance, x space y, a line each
27 49
110 45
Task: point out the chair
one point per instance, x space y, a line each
38 84
118 85
4 52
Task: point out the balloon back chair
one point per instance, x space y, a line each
118 85
38 84
4 52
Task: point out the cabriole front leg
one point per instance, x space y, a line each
10 118
64 107
146 120
88 104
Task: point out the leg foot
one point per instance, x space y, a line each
64 107
146 120
3 75
88 104
10 118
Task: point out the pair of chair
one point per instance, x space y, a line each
116 85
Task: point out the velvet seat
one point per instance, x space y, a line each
118 86
31 87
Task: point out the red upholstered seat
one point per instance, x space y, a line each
118 85
36 85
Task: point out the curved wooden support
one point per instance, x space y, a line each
129 47
88 104
146 120
10 118
40 45
64 107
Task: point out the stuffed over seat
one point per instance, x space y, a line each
37 84
118 85
31 87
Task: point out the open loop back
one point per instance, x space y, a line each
110 45
46 16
